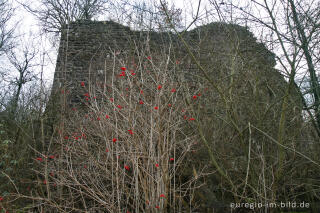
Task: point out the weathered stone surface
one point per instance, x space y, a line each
87 50
243 69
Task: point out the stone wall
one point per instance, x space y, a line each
87 51
88 48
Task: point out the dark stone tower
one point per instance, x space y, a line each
90 51
87 53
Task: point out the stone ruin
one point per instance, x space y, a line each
233 59
88 48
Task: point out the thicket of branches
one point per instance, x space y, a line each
125 148
148 141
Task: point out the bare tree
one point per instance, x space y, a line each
169 15
6 44
306 30
292 30
6 33
54 14
22 62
